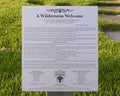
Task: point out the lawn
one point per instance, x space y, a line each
10 50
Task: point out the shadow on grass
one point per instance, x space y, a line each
63 4
92 3
38 2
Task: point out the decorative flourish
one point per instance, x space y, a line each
59 10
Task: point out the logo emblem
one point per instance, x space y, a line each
60 75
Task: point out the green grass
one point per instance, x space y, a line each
10 51
107 3
107 25
109 12
62 4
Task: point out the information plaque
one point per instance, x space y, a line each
59 48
